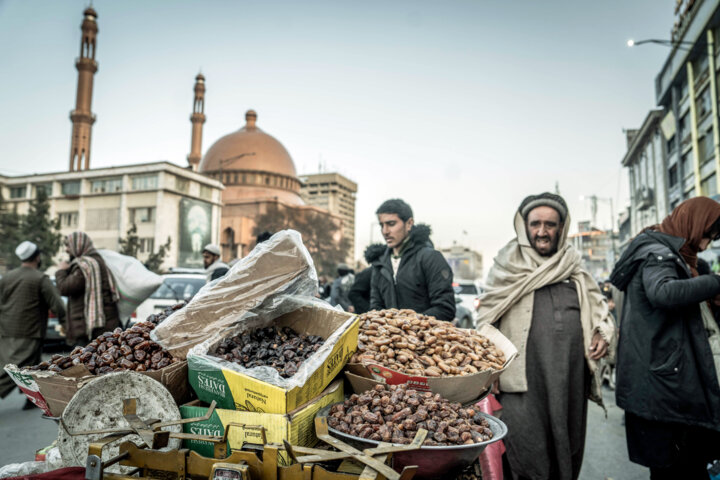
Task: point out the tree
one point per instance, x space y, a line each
39 228
155 260
10 224
130 245
318 231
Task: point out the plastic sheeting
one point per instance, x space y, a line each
262 281
264 316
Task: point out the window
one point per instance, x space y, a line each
182 184
704 104
707 147
205 192
106 185
46 187
102 219
684 90
673 176
708 186
142 215
146 245
18 192
68 219
687 168
178 288
70 188
145 182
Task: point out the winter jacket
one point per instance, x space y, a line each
665 369
71 283
423 282
359 293
339 291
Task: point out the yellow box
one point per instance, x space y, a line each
297 427
235 390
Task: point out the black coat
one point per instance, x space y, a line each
423 282
665 369
359 294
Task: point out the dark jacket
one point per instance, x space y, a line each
26 295
665 369
71 283
359 294
423 282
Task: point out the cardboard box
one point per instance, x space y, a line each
237 391
463 389
297 426
51 391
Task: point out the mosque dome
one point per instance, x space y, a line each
252 164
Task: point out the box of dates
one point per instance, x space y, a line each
269 364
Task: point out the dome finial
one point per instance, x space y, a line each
250 118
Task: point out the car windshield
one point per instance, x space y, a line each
465 289
178 288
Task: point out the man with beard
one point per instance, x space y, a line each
411 273
554 313
26 295
214 267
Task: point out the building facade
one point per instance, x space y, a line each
161 199
336 194
596 247
466 263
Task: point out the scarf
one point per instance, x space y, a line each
691 220
81 247
518 271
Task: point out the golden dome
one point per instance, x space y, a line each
248 149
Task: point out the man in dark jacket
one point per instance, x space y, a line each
411 273
360 292
667 380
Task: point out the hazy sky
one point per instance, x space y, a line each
461 108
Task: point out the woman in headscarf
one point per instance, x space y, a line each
667 379
90 288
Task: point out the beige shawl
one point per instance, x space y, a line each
517 272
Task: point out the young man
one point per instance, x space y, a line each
411 273
554 313
214 267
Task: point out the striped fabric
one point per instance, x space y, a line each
81 247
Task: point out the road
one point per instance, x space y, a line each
22 432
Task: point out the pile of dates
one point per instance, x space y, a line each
394 413
157 318
284 349
114 351
416 344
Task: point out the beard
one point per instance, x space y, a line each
545 245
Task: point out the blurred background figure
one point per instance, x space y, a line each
341 287
359 294
214 267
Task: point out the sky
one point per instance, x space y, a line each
461 108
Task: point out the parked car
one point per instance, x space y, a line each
469 295
463 316
175 288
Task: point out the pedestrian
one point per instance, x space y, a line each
26 295
552 310
214 267
90 288
667 375
359 294
341 287
410 273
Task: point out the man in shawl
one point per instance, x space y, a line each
554 313
90 288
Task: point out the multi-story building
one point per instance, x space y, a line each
161 199
687 90
336 194
597 248
648 173
465 262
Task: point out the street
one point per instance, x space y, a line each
22 432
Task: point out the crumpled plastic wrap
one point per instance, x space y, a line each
264 316
278 267
20 469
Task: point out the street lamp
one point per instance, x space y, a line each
665 43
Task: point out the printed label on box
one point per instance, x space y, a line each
391 377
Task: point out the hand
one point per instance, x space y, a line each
351 309
63 265
61 330
598 347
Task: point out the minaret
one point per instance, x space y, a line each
197 118
82 118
